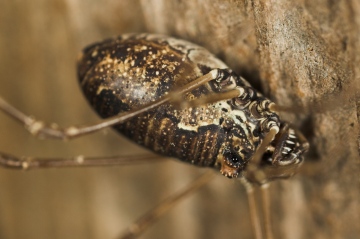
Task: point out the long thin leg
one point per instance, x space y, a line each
265 201
257 175
41 129
13 162
140 225
253 171
211 98
254 214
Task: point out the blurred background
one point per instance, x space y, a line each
291 52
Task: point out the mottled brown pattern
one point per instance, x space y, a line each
132 70
119 75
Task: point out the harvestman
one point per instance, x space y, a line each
178 100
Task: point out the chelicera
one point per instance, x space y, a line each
176 99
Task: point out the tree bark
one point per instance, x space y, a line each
304 55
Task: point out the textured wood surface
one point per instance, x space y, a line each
302 54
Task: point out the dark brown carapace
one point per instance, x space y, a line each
124 73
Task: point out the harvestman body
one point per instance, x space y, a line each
178 100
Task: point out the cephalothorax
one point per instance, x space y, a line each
130 71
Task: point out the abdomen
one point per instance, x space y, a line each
124 73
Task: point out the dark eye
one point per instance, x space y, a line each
233 159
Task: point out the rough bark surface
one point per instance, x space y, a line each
304 55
